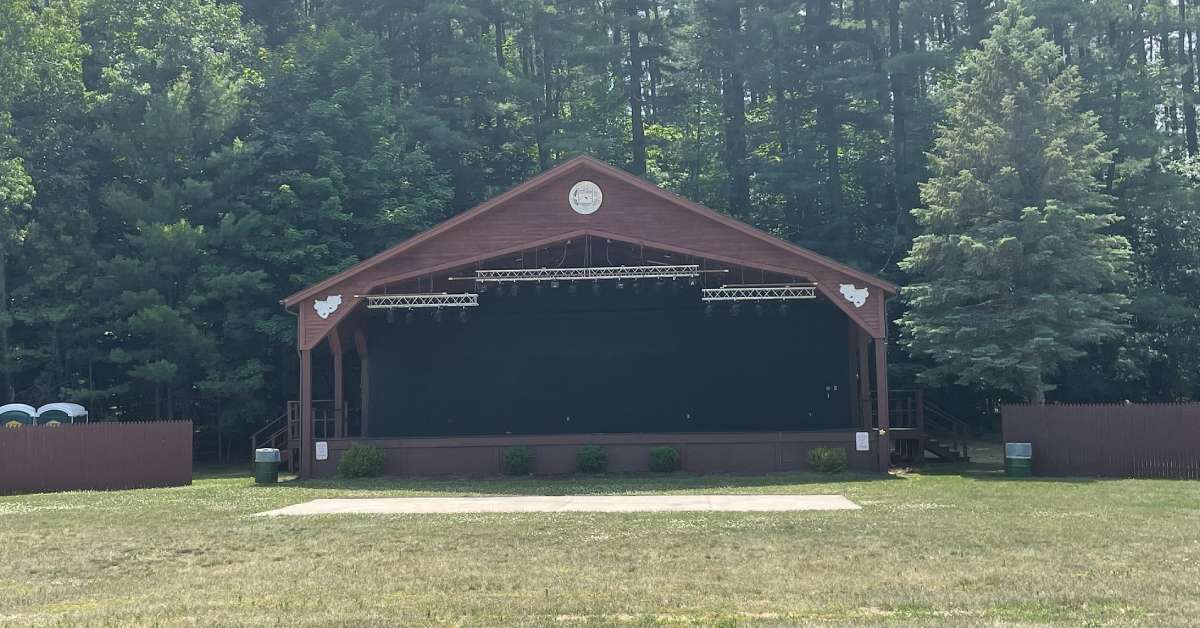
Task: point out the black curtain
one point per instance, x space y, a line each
650 359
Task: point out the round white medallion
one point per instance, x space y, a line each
585 197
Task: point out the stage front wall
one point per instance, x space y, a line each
617 361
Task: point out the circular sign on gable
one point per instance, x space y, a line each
585 197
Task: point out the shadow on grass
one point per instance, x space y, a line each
609 483
583 484
996 476
987 465
991 472
221 471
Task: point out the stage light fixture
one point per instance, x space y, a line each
571 289
595 287
427 300
784 308
500 289
554 283
709 309
462 316
736 309
437 315
513 291
760 293
691 281
758 309
637 287
391 316
620 285
537 288
481 287
588 272
409 317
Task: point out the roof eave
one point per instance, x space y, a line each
561 170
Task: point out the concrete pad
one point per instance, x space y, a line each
569 503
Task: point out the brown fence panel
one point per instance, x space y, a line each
96 456
1120 440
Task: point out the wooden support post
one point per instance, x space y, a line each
864 381
339 397
306 423
364 380
852 391
881 403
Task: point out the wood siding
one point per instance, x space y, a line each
1120 440
735 452
540 215
95 456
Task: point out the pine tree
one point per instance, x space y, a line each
343 179
1014 272
172 99
43 212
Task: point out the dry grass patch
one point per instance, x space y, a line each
961 547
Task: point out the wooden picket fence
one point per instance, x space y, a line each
1119 440
95 456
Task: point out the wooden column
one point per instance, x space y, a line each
306 424
339 396
364 380
864 380
881 403
852 391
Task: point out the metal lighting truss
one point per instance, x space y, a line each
587 274
410 301
759 293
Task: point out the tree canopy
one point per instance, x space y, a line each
169 170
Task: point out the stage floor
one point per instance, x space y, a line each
569 503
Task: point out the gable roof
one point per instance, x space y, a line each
562 170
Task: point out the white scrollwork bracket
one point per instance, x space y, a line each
327 306
857 296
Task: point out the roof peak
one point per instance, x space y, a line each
559 170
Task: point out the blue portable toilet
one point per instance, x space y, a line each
62 412
19 412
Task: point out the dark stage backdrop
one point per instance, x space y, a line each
617 361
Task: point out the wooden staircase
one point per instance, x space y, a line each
919 426
283 433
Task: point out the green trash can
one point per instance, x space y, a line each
1018 459
266 466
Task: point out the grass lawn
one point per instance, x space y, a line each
949 546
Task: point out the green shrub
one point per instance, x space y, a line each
827 459
664 459
518 460
591 459
361 461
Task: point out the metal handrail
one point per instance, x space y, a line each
908 409
286 427
254 438
958 429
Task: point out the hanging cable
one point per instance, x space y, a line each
564 255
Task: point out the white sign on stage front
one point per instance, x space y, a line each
322 450
862 441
